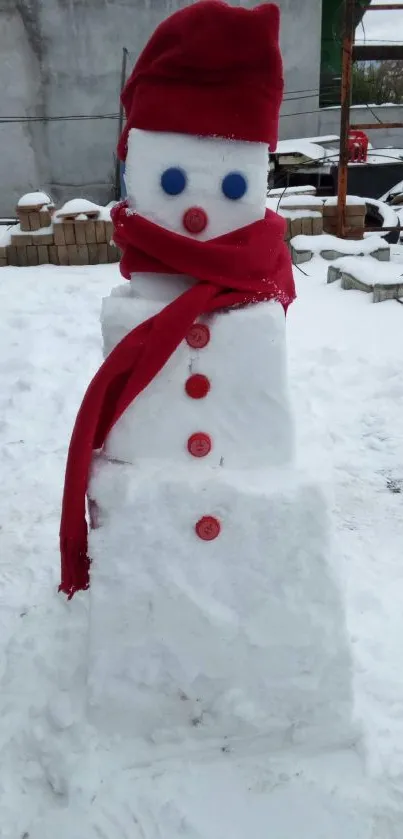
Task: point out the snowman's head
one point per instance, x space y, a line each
202 107
201 187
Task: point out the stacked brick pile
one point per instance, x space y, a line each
74 235
312 216
355 218
302 219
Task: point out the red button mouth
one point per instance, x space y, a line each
195 220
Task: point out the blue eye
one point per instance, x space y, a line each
234 186
173 181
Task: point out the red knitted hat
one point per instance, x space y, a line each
212 70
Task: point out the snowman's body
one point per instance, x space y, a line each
213 609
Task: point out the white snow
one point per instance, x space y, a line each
369 273
35 199
292 190
240 441
307 200
303 148
57 776
43 231
327 242
205 161
77 206
5 234
351 200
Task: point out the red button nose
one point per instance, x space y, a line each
195 220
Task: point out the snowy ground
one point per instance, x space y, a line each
346 376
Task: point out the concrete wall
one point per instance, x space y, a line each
329 123
63 58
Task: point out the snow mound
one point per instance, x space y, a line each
34 199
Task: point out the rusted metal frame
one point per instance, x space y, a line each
374 125
346 85
380 229
123 74
386 7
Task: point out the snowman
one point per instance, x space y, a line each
214 614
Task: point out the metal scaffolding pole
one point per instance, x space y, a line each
346 90
346 85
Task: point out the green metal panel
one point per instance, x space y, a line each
332 28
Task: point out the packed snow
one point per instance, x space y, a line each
58 776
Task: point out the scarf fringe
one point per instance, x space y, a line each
75 570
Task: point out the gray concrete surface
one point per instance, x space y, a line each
63 58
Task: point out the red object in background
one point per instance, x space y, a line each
357 146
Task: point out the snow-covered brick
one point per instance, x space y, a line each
204 163
240 636
331 247
351 201
364 271
296 202
76 207
245 363
34 200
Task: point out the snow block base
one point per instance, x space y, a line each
231 638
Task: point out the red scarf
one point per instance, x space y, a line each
246 266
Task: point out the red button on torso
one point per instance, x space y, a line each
208 528
198 336
199 444
197 386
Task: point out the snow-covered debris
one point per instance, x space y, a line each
395 190
387 213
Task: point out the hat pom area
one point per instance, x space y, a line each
210 70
